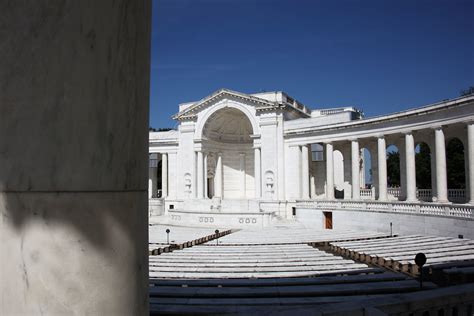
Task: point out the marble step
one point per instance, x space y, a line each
250 265
377 276
233 269
237 262
289 291
402 246
199 275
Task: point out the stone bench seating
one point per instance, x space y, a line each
375 275
399 252
223 296
157 234
248 261
278 235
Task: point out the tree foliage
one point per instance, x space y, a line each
423 167
393 169
455 164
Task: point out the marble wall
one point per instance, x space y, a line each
74 85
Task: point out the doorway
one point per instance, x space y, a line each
327 220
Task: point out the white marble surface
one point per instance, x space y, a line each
74 85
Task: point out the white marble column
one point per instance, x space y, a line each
74 157
329 171
258 175
206 195
441 173
355 170
200 176
218 182
164 175
470 150
304 172
382 168
410 166
242 175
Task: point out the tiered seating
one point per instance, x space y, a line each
178 234
294 235
228 295
399 252
256 261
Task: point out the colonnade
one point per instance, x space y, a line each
407 154
164 178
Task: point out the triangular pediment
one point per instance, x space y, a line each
193 110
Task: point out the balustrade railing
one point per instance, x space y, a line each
395 192
436 209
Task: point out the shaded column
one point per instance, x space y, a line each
206 195
382 168
441 173
218 187
329 171
470 150
242 175
304 172
164 175
200 176
410 167
74 108
258 175
355 169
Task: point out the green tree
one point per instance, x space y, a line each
455 164
393 169
423 167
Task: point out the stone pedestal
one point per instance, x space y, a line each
73 157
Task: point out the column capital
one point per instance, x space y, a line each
380 135
437 127
407 132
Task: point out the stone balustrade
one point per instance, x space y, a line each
433 209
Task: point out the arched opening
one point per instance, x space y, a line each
227 132
393 173
423 172
456 172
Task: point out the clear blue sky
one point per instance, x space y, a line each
381 56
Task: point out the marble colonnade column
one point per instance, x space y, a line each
218 177
206 194
441 173
355 152
329 171
382 167
164 175
258 173
410 166
304 172
470 150
200 175
243 188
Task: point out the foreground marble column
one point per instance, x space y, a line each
382 167
258 182
164 175
410 166
218 187
355 170
200 176
441 173
304 172
470 150
73 157
329 171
